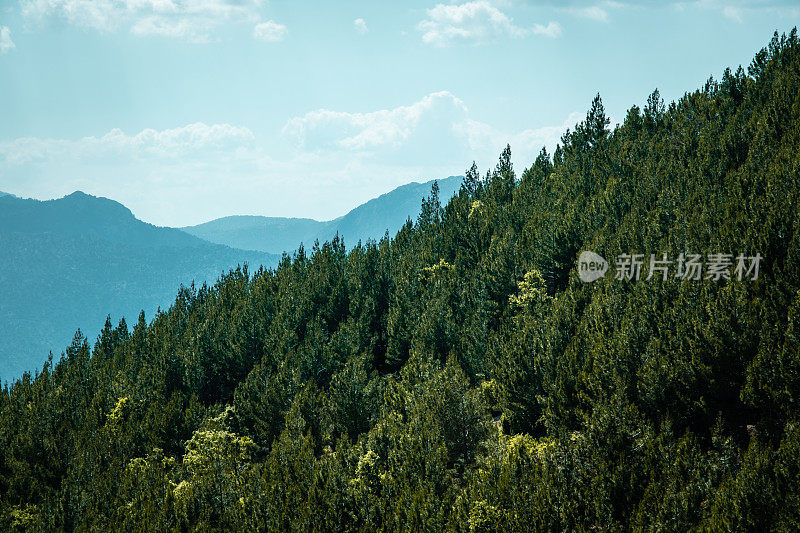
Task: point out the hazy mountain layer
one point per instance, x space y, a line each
70 262
370 220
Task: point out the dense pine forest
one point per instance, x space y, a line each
458 375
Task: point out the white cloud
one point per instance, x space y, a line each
733 13
166 144
740 10
474 22
6 43
384 129
596 13
360 26
326 163
180 28
270 31
525 144
552 30
193 20
436 127
598 10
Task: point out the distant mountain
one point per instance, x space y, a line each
387 212
273 234
370 220
69 262
82 215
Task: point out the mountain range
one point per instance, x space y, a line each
71 261
370 220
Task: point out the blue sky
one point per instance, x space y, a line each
188 110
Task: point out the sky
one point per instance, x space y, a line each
190 110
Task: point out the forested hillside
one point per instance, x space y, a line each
459 375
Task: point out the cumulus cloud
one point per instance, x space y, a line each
270 31
596 13
599 10
437 126
384 129
360 26
6 43
552 30
193 20
474 22
325 163
525 144
165 144
168 176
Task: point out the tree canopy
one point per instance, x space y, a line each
458 375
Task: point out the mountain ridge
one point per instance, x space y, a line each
70 262
79 213
370 220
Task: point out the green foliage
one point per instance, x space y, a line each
459 376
